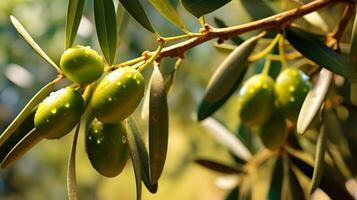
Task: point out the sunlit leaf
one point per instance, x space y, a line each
136 10
30 41
226 138
276 182
158 125
106 26
26 143
168 11
71 171
313 101
199 7
218 167
74 16
318 52
315 19
26 111
319 159
143 154
226 78
135 159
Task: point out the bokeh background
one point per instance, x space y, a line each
41 174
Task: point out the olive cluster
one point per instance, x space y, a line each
115 97
269 104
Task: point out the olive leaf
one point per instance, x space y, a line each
143 154
74 16
233 194
158 125
319 158
122 21
31 42
318 52
226 138
226 78
296 192
71 171
313 101
353 49
136 10
224 48
25 144
135 158
217 166
199 7
106 26
257 9
145 109
26 111
221 24
276 182
165 8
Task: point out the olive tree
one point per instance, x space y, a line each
291 132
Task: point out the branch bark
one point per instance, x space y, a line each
278 21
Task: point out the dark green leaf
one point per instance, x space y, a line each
276 182
135 159
233 194
158 125
296 190
218 167
26 111
202 7
71 172
74 16
168 11
143 154
26 143
319 159
226 78
221 24
318 52
136 10
30 41
257 9
106 26
313 101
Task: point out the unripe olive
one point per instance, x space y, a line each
292 86
59 113
107 148
81 64
117 95
274 132
256 100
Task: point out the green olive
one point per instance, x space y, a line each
292 86
274 132
256 100
107 148
81 64
59 113
117 95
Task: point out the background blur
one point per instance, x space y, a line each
41 174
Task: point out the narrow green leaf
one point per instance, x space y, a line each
26 111
26 126
74 16
71 171
318 52
165 8
226 78
136 10
226 138
145 109
296 192
143 154
106 26
135 159
221 24
122 21
26 143
313 101
257 9
233 194
30 41
200 7
224 48
158 125
218 167
319 159
276 182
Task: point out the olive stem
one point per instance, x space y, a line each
152 58
266 66
267 50
129 62
202 21
181 37
282 53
